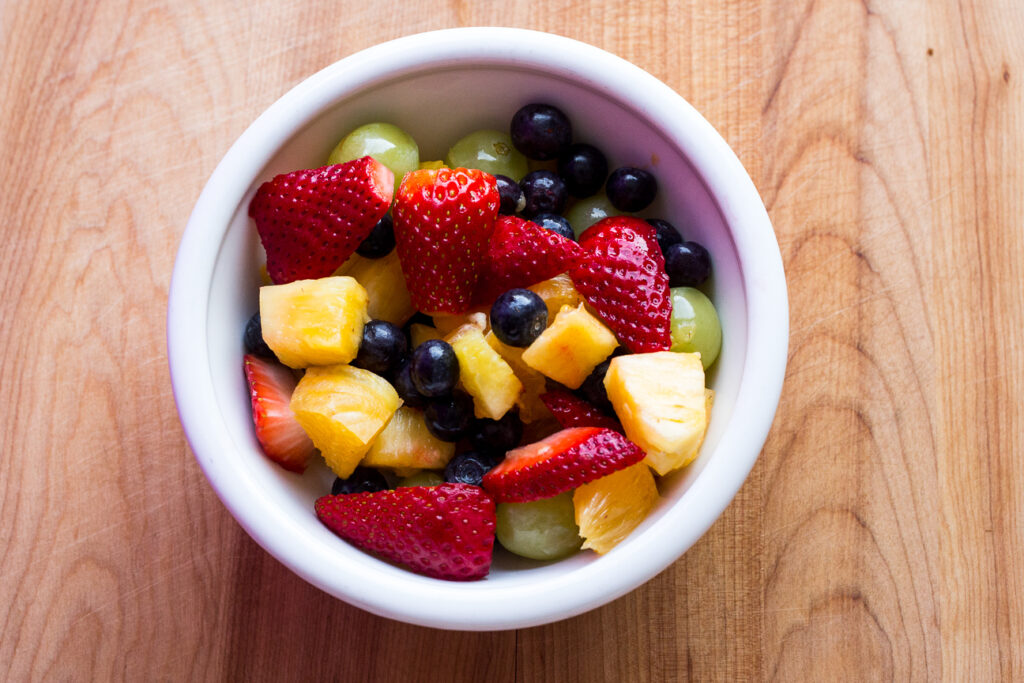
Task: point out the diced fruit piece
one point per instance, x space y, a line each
434 368
424 478
560 462
518 317
571 347
484 373
314 322
622 276
407 443
687 264
450 418
343 408
446 324
381 240
445 531
631 189
587 212
530 406
660 400
512 199
280 435
382 348
469 467
421 333
491 151
607 510
572 411
385 142
542 529
362 480
541 131
384 284
253 338
695 325
443 223
584 168
498 436
557 292
310 221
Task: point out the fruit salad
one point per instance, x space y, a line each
492 347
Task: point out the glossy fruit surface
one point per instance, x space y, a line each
387 296
541 131
450 418
607 510
555 223
590 210
631 189
385 142
584 169
468 467
380 241
434 368
688 264
512 199
518 317
483 373
544 191
571 346
665 233
542 529
406 389
383 346
491 151
362 480
280 435
695 325
405 443
498 436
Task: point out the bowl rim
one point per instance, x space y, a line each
463 606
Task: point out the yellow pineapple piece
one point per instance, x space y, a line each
343 408
385 286
661 402
314 322
530 406
421 333
483 373
406 445
447 323
609 508
571 347
557 292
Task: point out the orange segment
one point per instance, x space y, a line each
608 509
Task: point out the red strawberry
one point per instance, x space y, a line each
521 254
311 221
563 461
270 388
622 276
444 219
572 411
445 531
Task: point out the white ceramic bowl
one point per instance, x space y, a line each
439 86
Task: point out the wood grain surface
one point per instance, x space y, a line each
879 536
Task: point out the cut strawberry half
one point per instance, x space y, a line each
572 411
446 531
563 461
311 221
280 436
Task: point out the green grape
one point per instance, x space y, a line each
695 325
540 530
586 212
422 478
490 151
387 143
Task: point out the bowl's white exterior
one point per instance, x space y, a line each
439 86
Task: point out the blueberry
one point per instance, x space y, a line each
407 391
362 480
468 468
592 390
512 199
518 317
545 193
688 264
383 346
380 241
449 418
541 131
666 233
556 224
497 436
584 169
631 189
253 338
433 368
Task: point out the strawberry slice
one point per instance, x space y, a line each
521 254
270 388
445 531
563 461
310 221
622 276
444 219
572 411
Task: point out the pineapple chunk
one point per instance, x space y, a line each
557 292
661 402
447 323
483 373
421 333
343 408
530 406
314 322
385 286
571 347
406 445
609 508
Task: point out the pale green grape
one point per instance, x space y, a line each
540 530
490 151
586 212
422 478
385 142
695 325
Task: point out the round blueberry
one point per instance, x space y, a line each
449 418
383 346
592 390
468 468
512 199
253 339
666 233
498 436
407 391
541 131
556 224
545 193
518 317
380 241
584 169
362 480
434 369
631 189
688 264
